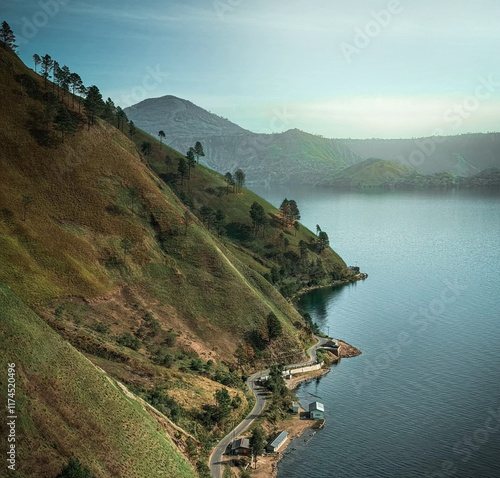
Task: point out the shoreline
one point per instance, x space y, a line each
268 466
335 283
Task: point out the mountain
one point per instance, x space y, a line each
179 119
290 157
124 285
298 157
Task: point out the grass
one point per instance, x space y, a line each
68 407
67 262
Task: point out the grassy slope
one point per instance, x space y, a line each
372 173
91 192
68 407
61 248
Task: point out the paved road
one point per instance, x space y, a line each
260 395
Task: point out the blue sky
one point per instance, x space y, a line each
366 68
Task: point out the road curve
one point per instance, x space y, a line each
260 402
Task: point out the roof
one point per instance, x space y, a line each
316 406
278 439
241 443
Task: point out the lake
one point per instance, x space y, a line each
423 400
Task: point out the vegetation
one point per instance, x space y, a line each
194 284
70 406
74 469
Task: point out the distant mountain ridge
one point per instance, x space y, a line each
302 158
290 157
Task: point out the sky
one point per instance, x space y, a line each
342 69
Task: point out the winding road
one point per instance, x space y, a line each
260 395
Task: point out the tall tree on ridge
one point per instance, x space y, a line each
74 80
55 76
239 178
162 135
82 91
323 241
121 117
47 65
7 37
198 151
37 60
109 110
93 104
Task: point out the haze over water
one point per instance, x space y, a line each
424 397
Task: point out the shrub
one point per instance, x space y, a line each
128 340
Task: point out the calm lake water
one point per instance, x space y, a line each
423 400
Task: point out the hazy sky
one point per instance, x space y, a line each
366 68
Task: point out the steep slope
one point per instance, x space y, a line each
290 157
66 407
113 250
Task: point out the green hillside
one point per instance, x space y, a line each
67 407
104 241
372 173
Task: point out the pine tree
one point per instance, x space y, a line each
7 37
146 148
198 151
162 135
74 80
64 122
219 221
93 104
109 110
239 178
258 216
191 163
82 91
323 241
47 65
37 60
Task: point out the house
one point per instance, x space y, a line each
295 408
241 447
316 411
277 442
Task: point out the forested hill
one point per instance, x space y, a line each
169 277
